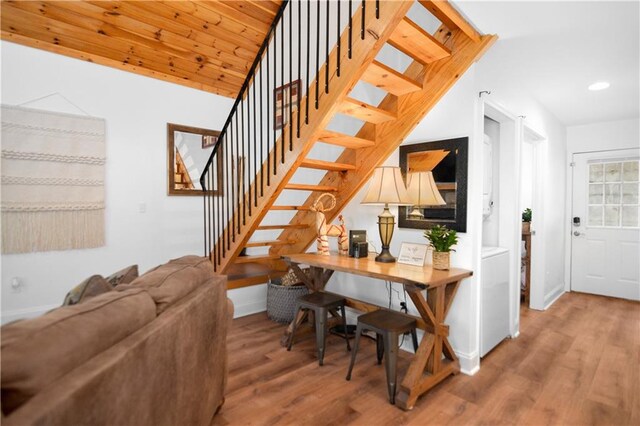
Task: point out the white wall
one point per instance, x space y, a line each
136 110
607 135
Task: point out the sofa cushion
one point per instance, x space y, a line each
172 281
123 276
93 286
38 351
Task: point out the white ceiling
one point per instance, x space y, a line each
555 49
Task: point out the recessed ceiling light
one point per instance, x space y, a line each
600 85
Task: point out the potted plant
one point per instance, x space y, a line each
526 221
441 239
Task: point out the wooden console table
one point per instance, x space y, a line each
435 360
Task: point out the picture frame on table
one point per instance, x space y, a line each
413 254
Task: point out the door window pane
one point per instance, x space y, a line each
630 193
612 193
630 216
595 193
611 216
630 171
595 216
596 172
612 172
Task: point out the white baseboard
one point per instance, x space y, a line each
551 298
249 308
469 363
24 313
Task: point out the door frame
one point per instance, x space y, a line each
569 210
510 237
538 262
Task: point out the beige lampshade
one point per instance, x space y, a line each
387 187
423 191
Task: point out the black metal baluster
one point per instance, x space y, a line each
377 9
364 8
255 146
269 121
318 54
299 94
275 102
247 139
228 193
214 226
350 28
244 158
338 35
232 181
262 144
306 85
290 77
222 197
326 51
282 137
238 178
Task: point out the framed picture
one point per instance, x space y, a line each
208 141
286 100
413 254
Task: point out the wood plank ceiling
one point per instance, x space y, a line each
207 45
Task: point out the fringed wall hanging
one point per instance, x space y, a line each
52 181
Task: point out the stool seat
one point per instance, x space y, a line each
321 304
321 299
388 326
388 321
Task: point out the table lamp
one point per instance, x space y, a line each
423 192
387 187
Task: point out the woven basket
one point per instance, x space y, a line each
281 301
441 260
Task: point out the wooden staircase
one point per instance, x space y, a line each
438 61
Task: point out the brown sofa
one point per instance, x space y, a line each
149 353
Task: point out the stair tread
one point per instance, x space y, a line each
287 226
412 40
363 111
340 139
450 17
269 243
390 80
326 165
306 187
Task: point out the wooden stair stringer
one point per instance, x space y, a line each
364 51
437 78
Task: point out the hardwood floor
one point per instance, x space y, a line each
576 363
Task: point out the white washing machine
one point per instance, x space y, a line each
494 298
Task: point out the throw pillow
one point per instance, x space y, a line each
91 287
124 276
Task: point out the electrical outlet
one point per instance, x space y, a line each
16 285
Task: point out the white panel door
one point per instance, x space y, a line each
605 256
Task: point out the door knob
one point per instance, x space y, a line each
576 233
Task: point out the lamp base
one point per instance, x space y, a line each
385 256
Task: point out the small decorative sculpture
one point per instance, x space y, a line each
325 231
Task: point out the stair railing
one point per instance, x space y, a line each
266 116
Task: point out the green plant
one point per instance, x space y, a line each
441 238
526 215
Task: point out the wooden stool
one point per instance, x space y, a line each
388 326
320 303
